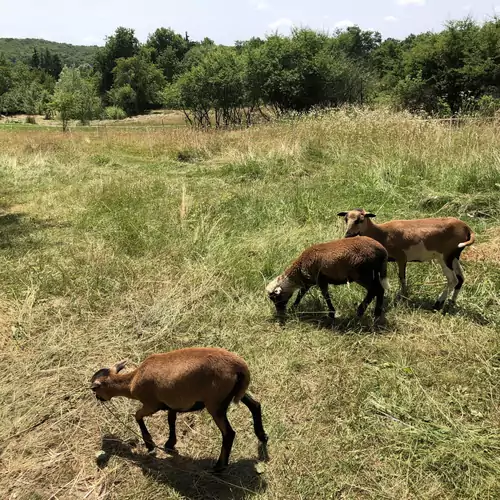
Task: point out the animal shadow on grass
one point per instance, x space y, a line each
313 311
427 304
192 478
17 229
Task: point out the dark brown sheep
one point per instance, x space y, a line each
361 260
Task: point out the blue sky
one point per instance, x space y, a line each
89 21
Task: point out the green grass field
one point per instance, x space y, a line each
120 244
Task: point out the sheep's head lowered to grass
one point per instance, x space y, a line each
279 292
356 221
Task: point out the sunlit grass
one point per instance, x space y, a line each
120 243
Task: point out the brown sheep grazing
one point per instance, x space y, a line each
418 240
361 260
181 381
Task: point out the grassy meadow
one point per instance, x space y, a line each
120 243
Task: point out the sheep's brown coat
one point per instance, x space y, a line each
340 261
361 260
181 381
417 240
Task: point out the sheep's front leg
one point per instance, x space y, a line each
300 296
146 436
172 437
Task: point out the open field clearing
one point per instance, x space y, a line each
120 244
159 119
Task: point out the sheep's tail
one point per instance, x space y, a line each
470 241
241 385
382 275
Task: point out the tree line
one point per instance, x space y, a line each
453 72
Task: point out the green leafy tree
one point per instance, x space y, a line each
122 45
303 71
196 54
35 59
123 97
215 84
356 43
168 51
142 81
76 97
17 82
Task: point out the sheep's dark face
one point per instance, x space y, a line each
356 222
101 381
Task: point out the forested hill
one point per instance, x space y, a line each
22 49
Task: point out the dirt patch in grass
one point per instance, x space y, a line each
487 251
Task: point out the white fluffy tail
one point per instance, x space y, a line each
382 276
471 240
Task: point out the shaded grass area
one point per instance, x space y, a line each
126 243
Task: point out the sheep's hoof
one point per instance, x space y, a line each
218 469
438 306
169 447
380 321
152 453
263 438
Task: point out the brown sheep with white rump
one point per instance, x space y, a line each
361 260
419 240
181 381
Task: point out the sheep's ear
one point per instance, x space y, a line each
370 215
342 214
120 366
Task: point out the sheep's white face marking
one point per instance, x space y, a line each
419 253
273 287
280 289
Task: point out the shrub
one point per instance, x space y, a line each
114 113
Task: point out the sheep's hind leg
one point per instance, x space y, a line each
326 295
379 305
172 438
370 295
457 268
254 407
452 282
220 418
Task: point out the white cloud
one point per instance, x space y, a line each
466 7
346 23
281 23
390 19
411 2
497 9
260 4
